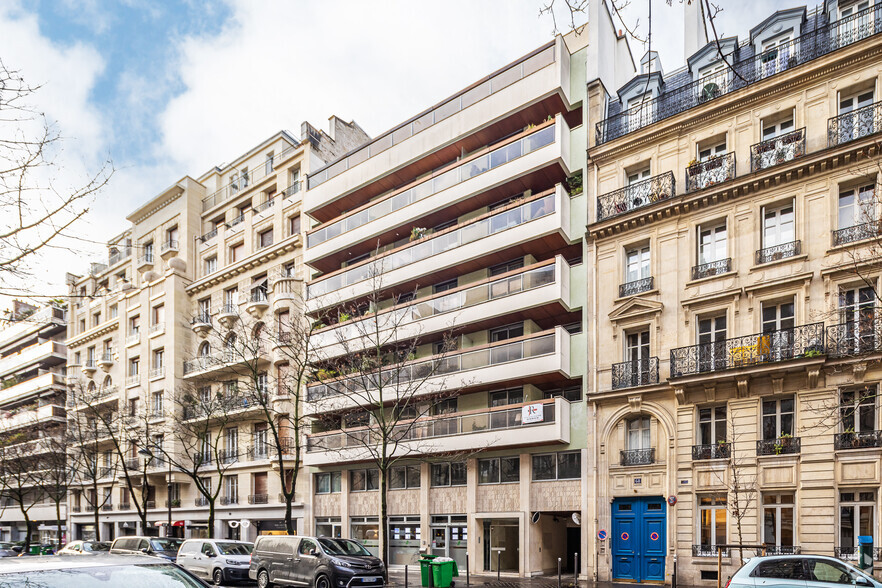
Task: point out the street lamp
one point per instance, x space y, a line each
149 454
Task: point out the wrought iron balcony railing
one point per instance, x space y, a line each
635 287
707 551
133 463
124 506
776 252
856 337
852 553
225 500
265 205
209 235
713 451
711 268
170 245
779 446
203 318
777 150
857 233
812 45
200 501
783 550
711 172
146 259
858 440
106 507
258 498
637 372
636 195
749 350
861 122
633 457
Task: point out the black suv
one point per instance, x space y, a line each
321 562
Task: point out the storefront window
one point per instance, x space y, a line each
404 540
366 530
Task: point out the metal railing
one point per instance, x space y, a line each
442 180
637 372
712 451
133 463
711 268
117 256
170 245
201 501
637 195
157 372
861 122
133 379
823 40
710 172
708 551
229 455
856 233
227 500
264 206
857 440
852 553
173 503
633 457
635 287
777 150
146 259
203 318
156 327
90 364
779 446
133 337
258 295
528 65
107 506
856 337
209 235
783 550
124 506
236 220
776 252
294 188
106 357
258 498
749 350
229 308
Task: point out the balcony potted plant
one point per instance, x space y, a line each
417 233
783 442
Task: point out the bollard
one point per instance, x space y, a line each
558 572
405 575
498 559
674 574
576 569
467 569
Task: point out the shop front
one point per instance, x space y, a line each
449 536
404 540
501 545
366 530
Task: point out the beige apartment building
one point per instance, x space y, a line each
207 258
732 253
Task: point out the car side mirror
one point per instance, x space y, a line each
144 550
861 581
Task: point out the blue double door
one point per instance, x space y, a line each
638 539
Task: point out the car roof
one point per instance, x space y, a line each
13 565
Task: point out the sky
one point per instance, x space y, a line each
167 88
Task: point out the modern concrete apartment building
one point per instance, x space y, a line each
32 358
203 259
733 265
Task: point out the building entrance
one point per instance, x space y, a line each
638 539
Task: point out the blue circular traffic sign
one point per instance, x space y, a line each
601 534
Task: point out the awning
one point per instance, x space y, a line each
178 524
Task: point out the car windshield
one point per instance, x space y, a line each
130 576
342 547
166 544
98 546
235 548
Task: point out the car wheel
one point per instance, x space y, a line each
218 577
263 580
322 582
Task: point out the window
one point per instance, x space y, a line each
508 266
327 482
265 239
857 516
775 54
82 325
499 470
785 569
294 225
705 153
114 311
637 433
712 425
157 315
401 477
637 264
134 364
448 474
711 521
557 466
260 445
231 299
713 76
96 319
231 489
505 397
856 206
156 404
712 343
778 323
778 520
209 265
507 332
204 308
777 418
773 130
444 286
857 410
231 444
362 480
289 270
851 102
637 176
237 252
158 357
148 251
857 315
268 166
570 393
778 226
712 244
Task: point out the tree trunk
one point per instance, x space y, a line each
97 522
58 524
27 540
384 516
211 518
289 520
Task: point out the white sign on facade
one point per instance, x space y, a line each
532 413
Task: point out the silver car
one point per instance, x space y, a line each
217 559
799 571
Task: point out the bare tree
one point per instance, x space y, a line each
56 474
36 214
19 475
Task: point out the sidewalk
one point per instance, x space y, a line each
396 579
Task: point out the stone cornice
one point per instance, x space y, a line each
93 333
254 260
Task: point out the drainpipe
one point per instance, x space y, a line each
594 384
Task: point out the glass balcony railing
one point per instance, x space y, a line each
516 72
460 173
539 207
495 354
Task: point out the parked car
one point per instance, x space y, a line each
99 570
164 547
85 548
784 571
221 561
318 562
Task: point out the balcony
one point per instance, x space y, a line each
711 172
858 123
856 337
124 506
229 500
778 252
208 236
857 233
711 268
257 303
200 501
106 361
229 455
292 189
33 386
708 551
44 354
201 324
89 366
636 196
228 314
635 287
134 337
32 417
107 507
637 457
502 426
806 341
822 41
779 446
777 150
133 380
718 450
630 374
858 440
168 249
173 503
539 286
145 262
852 553
264 206
133 464
118 255
782 550
238 220
157 372
542 215
445 187
258 499
156 329
513 360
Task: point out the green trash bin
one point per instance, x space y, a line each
443 573
425 564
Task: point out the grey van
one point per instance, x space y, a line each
164 547
319 562
220 560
